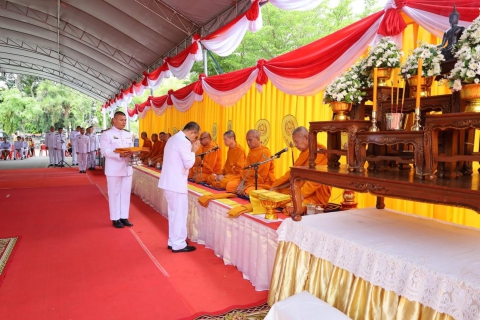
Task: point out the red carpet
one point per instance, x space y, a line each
7 250
73 265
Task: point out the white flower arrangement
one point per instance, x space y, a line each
385 54
431 59
467 67
346 88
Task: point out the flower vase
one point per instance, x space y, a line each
383 74
340 108
425 86
471 94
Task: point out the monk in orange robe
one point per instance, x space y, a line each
154 151
315 193
266 175
212 161
159 157
147 143
234 164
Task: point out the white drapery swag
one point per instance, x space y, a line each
298 5
142 114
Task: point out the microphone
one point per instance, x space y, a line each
280 152
211 150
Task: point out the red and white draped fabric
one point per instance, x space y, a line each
181 64
227 39
299 5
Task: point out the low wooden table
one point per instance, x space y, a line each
458 122
334 148
464 192
389 138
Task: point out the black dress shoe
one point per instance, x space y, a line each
186 249
170 247
118 224
126 223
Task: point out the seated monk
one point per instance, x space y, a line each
266 175
311 192
212 162
147 143
153 152
159 157
233 165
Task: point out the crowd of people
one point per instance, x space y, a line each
22 148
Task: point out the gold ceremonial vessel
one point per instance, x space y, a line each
383 74
134 157
471 94
425 86
269 201
340 108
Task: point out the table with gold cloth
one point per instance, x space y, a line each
380 264
249 243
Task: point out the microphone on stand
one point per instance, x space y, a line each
280 152
207 152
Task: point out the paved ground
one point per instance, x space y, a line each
33 162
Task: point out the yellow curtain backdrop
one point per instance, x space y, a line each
273 105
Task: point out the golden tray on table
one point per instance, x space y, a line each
135 151
265 201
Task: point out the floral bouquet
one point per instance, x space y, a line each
431 56
467 68
385 54
346 88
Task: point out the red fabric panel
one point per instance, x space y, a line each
315 57
180 58
223 29
229 81
184 92
253 11
169 97
156 73
392 23
262 77
468 9
158 101
198 89
131 112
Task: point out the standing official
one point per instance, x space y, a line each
73 135
60 146
179 157
82 145
50 142
119 174
94 144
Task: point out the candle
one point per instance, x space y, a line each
391 94
375 72
403 94
419 79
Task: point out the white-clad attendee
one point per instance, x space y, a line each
50 143
179 157
73 135
18 149
60 146
117 170
26 148
5 146
82 147
94 145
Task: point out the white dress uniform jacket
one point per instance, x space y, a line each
82 143
60 139
94 143
178 159
110 140
50 139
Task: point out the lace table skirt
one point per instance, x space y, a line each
434 263
243 242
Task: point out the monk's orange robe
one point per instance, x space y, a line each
315 193
212 164
266 175
159 156
154 151
232 168
147 143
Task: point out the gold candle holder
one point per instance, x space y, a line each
270 206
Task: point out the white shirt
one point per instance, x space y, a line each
17 145
73 135
60 141
5 145
82 143
177 160
93 141
25 144
50 139
114 138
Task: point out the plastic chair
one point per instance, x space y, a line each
43 148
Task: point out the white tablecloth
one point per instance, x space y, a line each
304 306
243 242
434 263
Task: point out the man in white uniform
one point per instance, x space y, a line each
82 145
18 148
179 157
60 146
73 135
93 148
5 147
50 143
119 174
26 148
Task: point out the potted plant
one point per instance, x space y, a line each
343 92
384 56
465 76
432 57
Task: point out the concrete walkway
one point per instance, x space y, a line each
33 162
